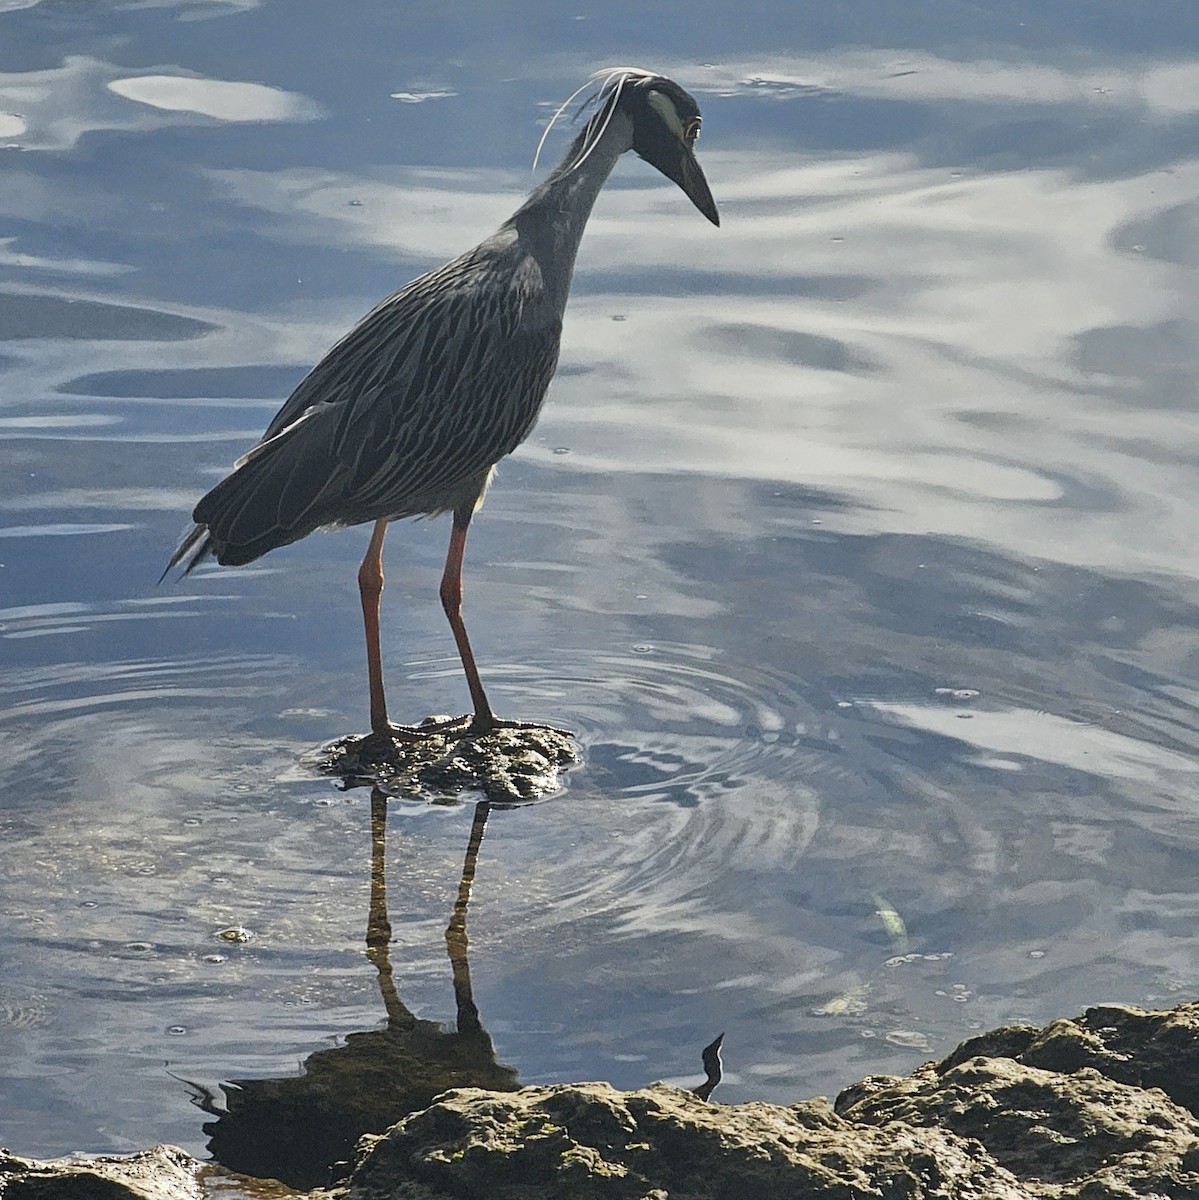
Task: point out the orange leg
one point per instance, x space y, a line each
451 601
370 585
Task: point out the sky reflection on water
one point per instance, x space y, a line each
856 541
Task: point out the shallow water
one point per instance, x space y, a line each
856 542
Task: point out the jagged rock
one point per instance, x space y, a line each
591 1142
1130 1045
1093 1108
1062 1135
161 1173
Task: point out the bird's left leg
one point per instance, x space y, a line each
451 600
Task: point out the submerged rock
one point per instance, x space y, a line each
507 766
1098 1108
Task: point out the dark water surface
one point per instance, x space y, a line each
857 541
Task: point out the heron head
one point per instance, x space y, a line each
666 123
665 127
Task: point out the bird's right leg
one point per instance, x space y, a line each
370 587
484 720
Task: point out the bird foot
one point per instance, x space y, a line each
428 728
489 724
451 727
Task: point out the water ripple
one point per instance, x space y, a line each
715 776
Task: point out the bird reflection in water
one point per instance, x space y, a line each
297 1128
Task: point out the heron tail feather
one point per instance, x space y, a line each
193 550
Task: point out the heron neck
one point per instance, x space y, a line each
550 223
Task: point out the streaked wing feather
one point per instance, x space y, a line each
428 391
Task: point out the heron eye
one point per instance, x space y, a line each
691 130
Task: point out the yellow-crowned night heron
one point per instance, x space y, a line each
409 413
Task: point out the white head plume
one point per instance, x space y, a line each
611 82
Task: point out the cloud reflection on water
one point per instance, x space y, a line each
1020 734
223 100
59 105
1165 89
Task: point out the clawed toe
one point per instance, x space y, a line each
428 728
489 724
453 727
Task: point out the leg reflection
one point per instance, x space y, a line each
296 1127
456 941
378 925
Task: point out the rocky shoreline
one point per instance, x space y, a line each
1099 1107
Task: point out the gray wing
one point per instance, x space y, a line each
425 394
